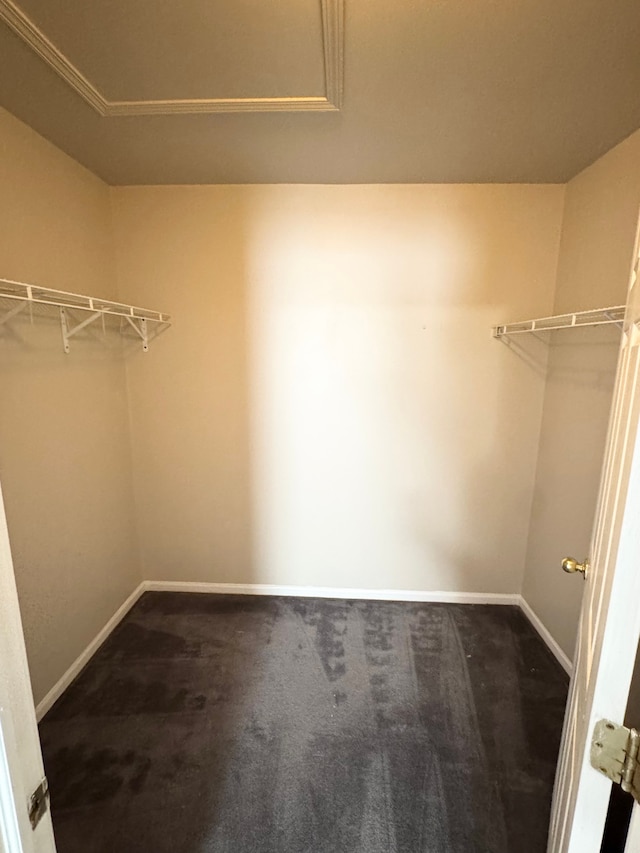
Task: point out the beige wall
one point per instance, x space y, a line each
329 407
599 223
64 447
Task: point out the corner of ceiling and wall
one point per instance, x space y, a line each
329 408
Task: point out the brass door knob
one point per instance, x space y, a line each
573 566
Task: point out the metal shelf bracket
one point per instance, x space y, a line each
140 327
12 312
69 331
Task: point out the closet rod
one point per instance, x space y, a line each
595 317
28 294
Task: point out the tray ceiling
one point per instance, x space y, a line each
249 91
139 57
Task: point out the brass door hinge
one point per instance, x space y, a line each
38 803
614 752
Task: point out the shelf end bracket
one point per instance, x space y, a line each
140 329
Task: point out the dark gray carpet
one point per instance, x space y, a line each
237 724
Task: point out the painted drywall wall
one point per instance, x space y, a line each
65 462
599 223
329 407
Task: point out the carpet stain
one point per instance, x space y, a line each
136 640
121 694
328 627
83 776
233 724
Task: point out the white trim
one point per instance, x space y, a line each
24 27
351 593
10 838
333 50
335 592
61 685
333 56
313 103
553 646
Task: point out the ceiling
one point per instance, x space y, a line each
275 91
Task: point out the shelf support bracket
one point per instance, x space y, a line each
618 323
12 312
140 330
68 331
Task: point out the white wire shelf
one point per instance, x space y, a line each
28 295
595 317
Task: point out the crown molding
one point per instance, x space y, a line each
333 49
24 27
317 103
331 101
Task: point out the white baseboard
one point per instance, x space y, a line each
335 592
537 623
61 685
371 595
514 599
